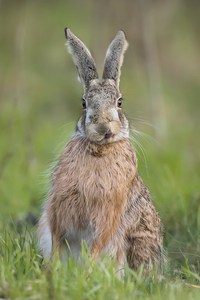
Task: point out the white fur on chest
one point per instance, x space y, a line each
75 239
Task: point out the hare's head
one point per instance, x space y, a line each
102 120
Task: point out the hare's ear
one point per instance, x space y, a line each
82 59
114 57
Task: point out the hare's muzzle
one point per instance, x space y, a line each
103 131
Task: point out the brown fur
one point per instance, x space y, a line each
112 198
94 196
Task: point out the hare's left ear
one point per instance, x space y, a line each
82 58
114 57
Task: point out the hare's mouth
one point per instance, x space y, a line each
102 139
109 135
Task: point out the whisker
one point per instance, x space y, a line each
144 135
140 147
141 121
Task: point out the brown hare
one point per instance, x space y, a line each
96 194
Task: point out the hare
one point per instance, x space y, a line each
96 194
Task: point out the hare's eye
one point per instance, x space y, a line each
119 102
83 103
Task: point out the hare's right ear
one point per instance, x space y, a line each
82 58
114 57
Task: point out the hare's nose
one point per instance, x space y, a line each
103 129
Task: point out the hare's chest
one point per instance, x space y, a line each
101 179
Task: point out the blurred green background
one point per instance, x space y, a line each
40 102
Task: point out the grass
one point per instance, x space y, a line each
39 105
23 275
